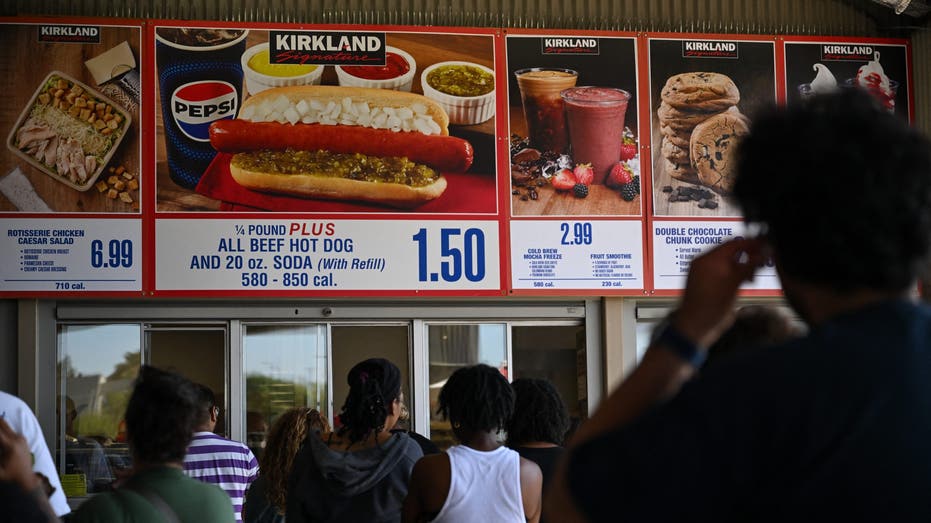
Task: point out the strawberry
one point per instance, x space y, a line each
628 148
584 173
621 174
563 180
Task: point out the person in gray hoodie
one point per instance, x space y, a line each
359 472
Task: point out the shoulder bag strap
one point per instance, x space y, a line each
156 501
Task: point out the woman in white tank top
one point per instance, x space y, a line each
479 479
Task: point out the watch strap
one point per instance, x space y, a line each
674 341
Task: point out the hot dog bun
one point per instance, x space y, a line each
313 185
332 104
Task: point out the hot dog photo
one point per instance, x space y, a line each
412 132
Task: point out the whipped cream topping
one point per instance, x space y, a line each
872 76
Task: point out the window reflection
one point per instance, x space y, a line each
452 347
284 366
95 371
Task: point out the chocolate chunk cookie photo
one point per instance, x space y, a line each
702 95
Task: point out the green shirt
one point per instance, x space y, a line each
191 500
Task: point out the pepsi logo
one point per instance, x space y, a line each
198 104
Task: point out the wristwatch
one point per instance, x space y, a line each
669 338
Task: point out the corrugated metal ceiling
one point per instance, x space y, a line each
836 17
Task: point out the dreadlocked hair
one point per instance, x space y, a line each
477 398
540 415
284 440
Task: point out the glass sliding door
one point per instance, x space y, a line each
357 342
284 366
95 370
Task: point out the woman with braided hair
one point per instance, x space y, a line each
359 472
479 479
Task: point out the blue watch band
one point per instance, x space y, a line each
674 341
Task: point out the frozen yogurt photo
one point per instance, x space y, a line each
823 83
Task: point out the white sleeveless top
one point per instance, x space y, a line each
483 486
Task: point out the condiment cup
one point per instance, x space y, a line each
462 110
397 83
257 82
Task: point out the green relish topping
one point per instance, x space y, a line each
461 80
352 166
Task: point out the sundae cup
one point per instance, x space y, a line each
873 80
823 83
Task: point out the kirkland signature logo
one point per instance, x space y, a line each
326 48
78 34
708 49
570 46
855 53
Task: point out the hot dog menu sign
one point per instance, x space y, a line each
389 161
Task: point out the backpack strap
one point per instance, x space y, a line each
156 501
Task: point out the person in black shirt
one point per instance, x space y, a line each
832 426
539 424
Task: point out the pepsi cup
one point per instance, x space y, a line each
200 82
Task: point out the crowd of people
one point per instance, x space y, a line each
827 423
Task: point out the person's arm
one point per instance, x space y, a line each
16 467
702 315
531 487
412 507
429 486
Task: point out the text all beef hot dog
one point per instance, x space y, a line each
350 143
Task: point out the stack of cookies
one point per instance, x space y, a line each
700 122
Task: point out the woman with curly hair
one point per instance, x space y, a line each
265 500
359 472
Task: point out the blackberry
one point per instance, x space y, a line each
580 190
636 181
629 191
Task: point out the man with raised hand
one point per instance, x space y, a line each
833 426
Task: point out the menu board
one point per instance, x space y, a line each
703 94
198 159
363 128
71 118
574 153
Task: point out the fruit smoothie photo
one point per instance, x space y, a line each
596 123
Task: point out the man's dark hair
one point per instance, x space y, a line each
206 401
843 190
161 416
373 385
540 414
477 398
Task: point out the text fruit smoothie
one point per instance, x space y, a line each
543 107
596 125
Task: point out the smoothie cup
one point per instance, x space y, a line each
543 106
596 126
